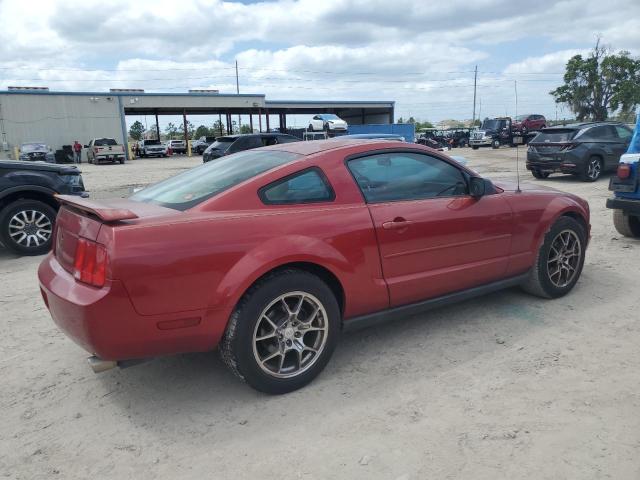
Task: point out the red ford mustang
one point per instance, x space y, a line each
269 253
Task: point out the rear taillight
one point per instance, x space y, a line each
624 171
90 264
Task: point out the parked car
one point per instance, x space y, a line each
237 143
104 150
270 253
151 148
177 146
36 152
327 122
582 149
626 190
529 123
27 206
201 144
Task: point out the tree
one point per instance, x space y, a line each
218 128
600 84
136 131
152 131
411 120
245 129
170 130
400 120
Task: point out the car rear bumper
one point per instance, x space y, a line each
554 162
480 142
628 206
104 322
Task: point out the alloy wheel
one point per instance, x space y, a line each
290 334
594 169
564 258
30 228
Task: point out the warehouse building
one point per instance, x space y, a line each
59 118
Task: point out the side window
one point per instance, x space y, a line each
601 133
307 186
389 177
269 141
623 133
287 139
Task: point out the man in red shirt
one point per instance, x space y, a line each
77 152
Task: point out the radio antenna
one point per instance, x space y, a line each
515 85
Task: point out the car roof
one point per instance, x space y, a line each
244 135
318 146
578 125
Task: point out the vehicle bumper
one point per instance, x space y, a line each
554 162
109 158
104 322
483 142
338 128
631 207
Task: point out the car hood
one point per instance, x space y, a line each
48 167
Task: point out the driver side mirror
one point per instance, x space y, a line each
477 187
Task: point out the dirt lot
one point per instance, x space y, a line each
505 386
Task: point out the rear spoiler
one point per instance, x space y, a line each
102 211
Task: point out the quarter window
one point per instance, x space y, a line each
308 186
623 133
389 177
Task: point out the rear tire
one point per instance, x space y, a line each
475 147
540 175
26 227
264 325
559 261
627 225
592 169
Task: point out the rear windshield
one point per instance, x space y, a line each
201 183
101 142
222 143
152 142
556 135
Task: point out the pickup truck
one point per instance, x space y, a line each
626 189
27 205
151 148
104 150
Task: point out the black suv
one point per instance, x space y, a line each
583 149
237 143
27 206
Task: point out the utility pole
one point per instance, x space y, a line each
238 92
475 83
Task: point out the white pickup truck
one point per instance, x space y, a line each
151 148
104 150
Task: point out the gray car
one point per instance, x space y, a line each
582 149
36 152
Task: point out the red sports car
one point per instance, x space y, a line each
269 253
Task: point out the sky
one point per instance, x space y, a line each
420 54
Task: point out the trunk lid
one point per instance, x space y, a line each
80 217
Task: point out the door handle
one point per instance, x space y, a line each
396 224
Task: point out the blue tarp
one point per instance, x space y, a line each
634 146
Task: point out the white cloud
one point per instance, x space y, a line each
404 50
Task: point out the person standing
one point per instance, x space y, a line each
77 152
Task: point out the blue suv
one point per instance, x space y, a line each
626 187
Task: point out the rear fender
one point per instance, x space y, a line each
271 255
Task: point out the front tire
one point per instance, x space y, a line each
495 144
26 227
475 147
559 261
283 332
627 225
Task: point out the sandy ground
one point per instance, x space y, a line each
505 386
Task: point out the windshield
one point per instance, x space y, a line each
33 147
555 135
329 116
522 118
152 142
222 143
101 142
493 124
201 183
